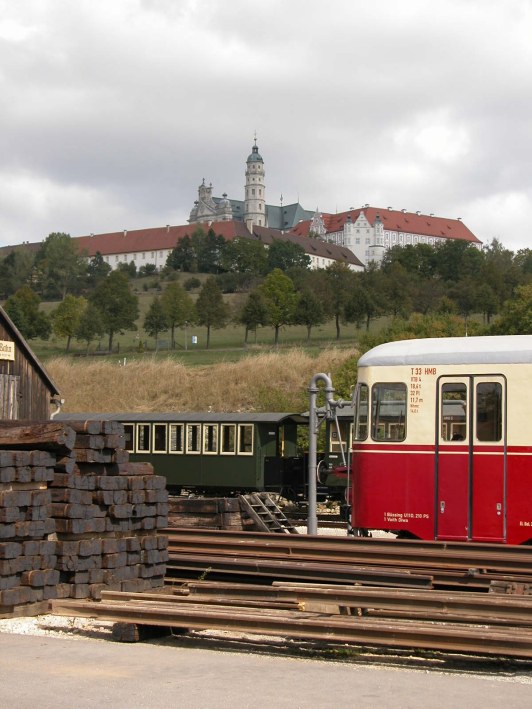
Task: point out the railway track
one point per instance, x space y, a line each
370 593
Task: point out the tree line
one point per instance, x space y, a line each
420 287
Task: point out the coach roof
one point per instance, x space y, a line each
504 349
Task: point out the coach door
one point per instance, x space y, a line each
471 458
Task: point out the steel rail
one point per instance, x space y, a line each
215 600
202 564
461 606
485 558
303 539
483 640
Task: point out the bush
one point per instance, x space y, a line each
192 283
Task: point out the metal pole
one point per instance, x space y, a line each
312 519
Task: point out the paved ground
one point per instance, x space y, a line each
46 672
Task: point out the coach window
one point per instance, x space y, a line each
245 438
176 438
361 413
143 438
159 437
489 411
228 438
193 438
210 438
129 437
342 441
388 419
453 411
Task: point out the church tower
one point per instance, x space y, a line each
255 195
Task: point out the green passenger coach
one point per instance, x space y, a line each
215 453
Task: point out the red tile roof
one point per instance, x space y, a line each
155 239
313 247
159 238
393 220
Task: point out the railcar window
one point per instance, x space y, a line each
228 438
193 438
388 414
210 438
143 437
361 413
159 437
489 411
176 437
245 438
454 411
129 435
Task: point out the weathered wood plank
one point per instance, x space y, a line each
48 436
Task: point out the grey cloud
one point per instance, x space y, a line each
114 112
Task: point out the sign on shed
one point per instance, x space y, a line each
7 350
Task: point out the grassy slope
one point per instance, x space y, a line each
227 344
275 381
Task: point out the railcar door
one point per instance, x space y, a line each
471 458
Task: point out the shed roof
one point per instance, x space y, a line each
30 355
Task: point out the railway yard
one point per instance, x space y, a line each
117 568
449 621
471 599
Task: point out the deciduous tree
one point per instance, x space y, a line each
211 309
309 310
254 313
281 300
23 308
66 317
516 314
156 320
118 306
59 265
286 255
90 325
178 307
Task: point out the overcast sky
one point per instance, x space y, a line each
112 111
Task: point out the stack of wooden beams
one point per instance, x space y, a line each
108 511
27 557
93 517
28 573
208 513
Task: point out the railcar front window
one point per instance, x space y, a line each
245 438
143 437
388 413
228 438
176 438
159 437
361 413
489 411
193 438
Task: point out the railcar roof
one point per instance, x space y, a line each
503 349
183 417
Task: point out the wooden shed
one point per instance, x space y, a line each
26 390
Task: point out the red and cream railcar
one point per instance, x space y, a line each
442 439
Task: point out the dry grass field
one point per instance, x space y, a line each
265 382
